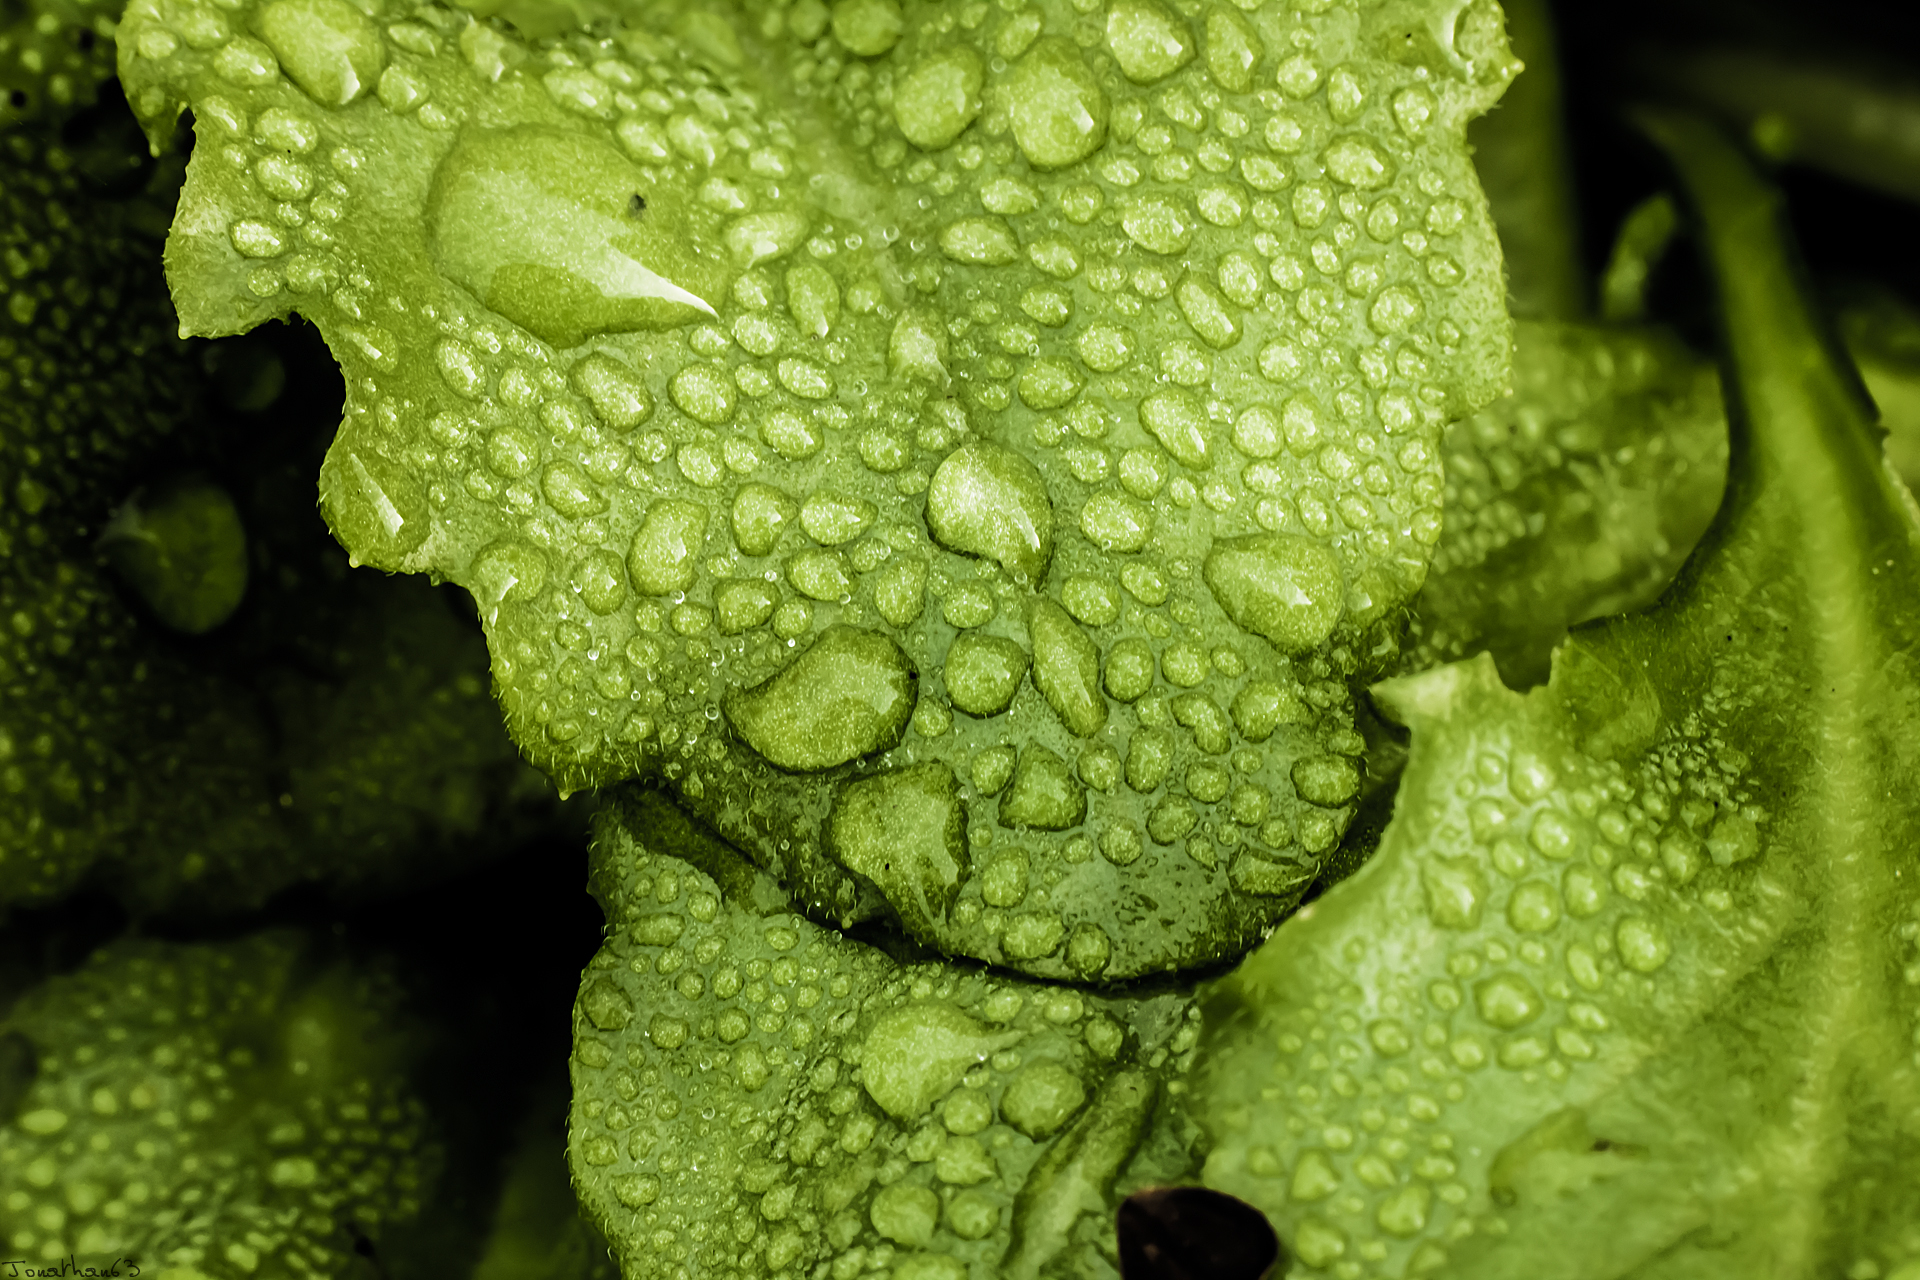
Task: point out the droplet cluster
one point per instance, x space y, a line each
1578 496
721 355
202 1109
756 1095
1552 915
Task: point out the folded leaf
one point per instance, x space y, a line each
1576 497
1631 987
755 1095
1025 421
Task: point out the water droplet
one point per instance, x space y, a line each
662 559
765 237
1533 907
935 102
1286 588
989 501
401 90
1507 1000
601 580
1642 944
255 239
506 571
327 46
704 393
1058 110
377 509
1394 309
1159 224
560 234
1147 41
1298 76
847 696
916 1055
1041 1099
1233 50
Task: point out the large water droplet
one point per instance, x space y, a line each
327 46
1286 588
848 696
915 1055
990 501
904 831
1058 108
562 235
935 102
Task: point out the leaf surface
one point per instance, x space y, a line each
1025 420
1578 496
1632 986
316 726
756 1095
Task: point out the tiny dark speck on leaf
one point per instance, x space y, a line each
1191 1233
638 204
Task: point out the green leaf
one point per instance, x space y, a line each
756 1095
1577 497
214 1111
1846 114
1632 986
1882 333
740 364
1521 155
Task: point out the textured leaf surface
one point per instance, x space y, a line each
756 1095
1028 418
1630 988
212 1110
1577 497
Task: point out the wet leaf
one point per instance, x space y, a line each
758 1095
726 357
218 1110
1630 987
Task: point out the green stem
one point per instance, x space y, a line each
1803 433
